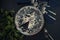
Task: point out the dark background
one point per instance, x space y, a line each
53 28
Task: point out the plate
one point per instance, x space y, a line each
29 20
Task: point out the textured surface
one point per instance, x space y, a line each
53 28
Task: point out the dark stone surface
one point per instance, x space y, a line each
53 28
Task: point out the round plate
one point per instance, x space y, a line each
29 20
